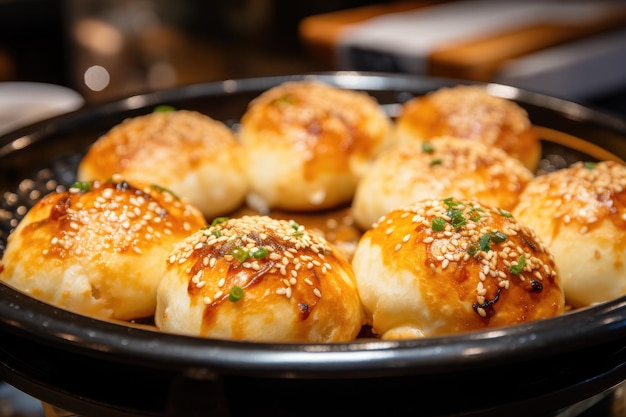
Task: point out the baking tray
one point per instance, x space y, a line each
103 368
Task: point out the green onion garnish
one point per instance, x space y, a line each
236 293
295 226
517 269
498 237
484 242
458 220
259 253
505 213
438 224
82 185
164 190
240 253
219 220
428 147
163 108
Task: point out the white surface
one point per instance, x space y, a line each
22 103
593 66
405 40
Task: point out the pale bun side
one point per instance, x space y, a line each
440 267
98 250
470 112
307 143
580 212
193 155
293 285
444 167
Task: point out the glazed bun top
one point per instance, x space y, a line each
442 167
307 143
259 279
98 249
445 266
580 212
185 151
470 112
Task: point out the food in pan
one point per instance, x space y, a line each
580 212
326 157
470 112
98 249
193 155
444 167
447 266
307 143
257 278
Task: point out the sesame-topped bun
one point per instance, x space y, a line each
257 278
98 249
307 144
193 155
470 112
444 167
580 212
439 267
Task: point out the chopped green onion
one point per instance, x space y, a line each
451 203
505 213
458 220
163 108
240 253
296 227
498 237
259 253
284 100
474 213
438 224
517 268
589 165
435 162
82 185
164 190
473 249
484 242
428 147
219 220
236 293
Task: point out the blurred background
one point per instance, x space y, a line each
111 48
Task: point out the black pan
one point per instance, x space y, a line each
100 368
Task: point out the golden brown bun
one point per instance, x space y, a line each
470 112
100 250
307 144
296 287
185 151
416 281
441 168
580 212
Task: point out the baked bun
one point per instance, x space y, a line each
444 167
257 278
580 212
439 267
470 112
185 151
98 249
307 144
